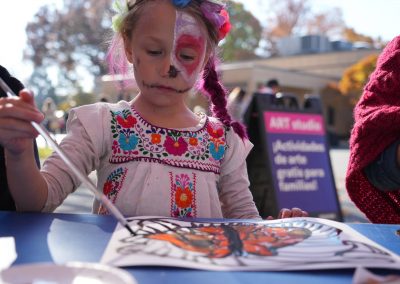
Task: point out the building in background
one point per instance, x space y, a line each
309 44
298 75
304 45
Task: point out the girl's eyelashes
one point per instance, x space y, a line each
154 52
183 55
186 57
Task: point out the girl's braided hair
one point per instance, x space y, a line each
210 84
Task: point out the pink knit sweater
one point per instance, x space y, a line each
377 125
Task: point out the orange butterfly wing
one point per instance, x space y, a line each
265 241
222 241
206 240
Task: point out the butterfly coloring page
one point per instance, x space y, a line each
282 244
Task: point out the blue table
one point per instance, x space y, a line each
60 238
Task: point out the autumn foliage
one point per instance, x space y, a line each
356 76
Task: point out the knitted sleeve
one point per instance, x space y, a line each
384 172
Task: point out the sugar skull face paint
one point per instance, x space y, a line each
189 47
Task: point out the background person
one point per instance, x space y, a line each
271 87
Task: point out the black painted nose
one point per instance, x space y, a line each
173 72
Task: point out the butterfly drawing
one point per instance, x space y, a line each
283 244
217 241
239 240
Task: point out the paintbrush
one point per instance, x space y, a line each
83 178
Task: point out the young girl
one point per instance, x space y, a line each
153 155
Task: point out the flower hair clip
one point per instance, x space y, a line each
121 9
214 11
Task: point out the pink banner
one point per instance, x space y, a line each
293 123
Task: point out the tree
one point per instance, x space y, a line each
352 36
42 86
284 17
71 39
245 35
356 76
326 23
290 17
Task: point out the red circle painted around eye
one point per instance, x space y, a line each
188 41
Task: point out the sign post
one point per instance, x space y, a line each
290 164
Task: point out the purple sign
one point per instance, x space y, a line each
300 162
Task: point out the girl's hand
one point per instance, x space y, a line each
290 213
16 113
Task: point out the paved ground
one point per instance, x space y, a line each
81 200
339 161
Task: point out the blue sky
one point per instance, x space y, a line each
370 17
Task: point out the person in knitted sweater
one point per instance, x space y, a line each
373 173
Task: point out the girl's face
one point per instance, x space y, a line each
167 50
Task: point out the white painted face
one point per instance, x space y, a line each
189 48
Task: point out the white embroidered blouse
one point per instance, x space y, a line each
148 170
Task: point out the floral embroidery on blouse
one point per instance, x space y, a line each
133 138
112 186
183 195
